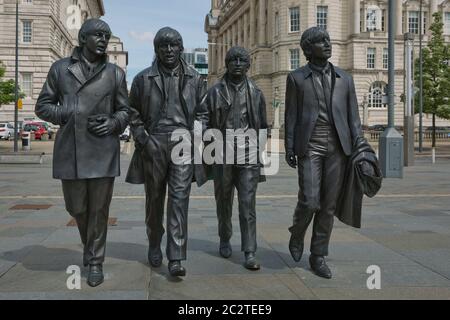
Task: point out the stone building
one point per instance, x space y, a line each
198 59
117 54
271 30
48 31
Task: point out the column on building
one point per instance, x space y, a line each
234 33
239 30
399 14
246 35
224 48
213 57
433 6
229 39
355 6
262 23
252 23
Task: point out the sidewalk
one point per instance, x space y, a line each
406 232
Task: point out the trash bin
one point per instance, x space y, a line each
26 141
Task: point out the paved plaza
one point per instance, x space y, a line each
405 232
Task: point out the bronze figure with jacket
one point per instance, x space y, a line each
322 123
236 105
164 99
87 97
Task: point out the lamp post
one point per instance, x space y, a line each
420 80
391 142
16 107
408 124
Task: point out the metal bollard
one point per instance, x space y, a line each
26 141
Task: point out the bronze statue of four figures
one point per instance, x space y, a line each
87 97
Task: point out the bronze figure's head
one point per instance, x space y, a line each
94 36
168 45
316 44
237 62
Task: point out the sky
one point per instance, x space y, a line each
136 22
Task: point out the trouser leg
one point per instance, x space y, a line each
224 194
76 200
247 184
332 182
100 192
155 170
309 180
179 182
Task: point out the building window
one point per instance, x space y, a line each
376 92
27 31
371 53
413 22
277 24
447 22
322 16
385 58
294 58
294 19
276 62
27 84
201 58
383 21
27 1
373 18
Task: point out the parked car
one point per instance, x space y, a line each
37 128
46 125
126 135
6 131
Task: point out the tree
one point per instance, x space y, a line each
7 88
436 75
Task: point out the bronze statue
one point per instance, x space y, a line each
87 97
163 99
235 104
322 126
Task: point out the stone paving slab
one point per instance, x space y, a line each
406 232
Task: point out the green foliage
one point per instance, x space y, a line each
7 88
436 72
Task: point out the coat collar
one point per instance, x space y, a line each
225 92
76 69
308 71
154 69
153 72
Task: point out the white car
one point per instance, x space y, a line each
6 131
126 135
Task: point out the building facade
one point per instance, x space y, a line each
48 31
197 58
117 54
271 31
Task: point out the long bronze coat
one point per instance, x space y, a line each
79 154
302 110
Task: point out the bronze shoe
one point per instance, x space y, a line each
176 269
95 277
225 249
319 266
250 261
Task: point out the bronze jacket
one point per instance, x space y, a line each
68 99
216 105
302 110
146 100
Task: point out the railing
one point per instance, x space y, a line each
427 136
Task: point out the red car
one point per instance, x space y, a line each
38 130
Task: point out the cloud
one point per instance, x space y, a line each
146 36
